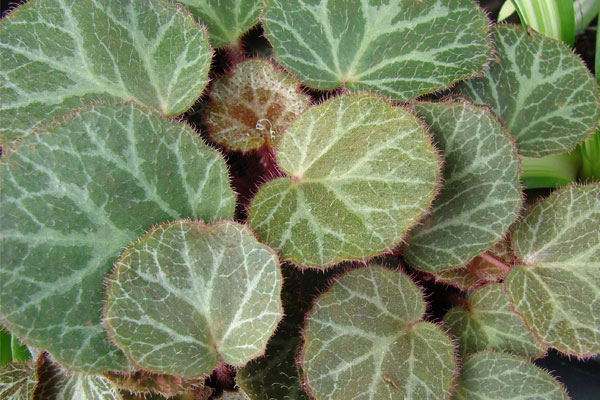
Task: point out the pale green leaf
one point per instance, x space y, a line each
252 106
542 92
401 49
56 55
189 294
488 375
238 395
226 20
507 9
556 290
361 172
553 18
365 339
481 195
488 322
17 381
71 198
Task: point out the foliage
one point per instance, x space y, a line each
166 223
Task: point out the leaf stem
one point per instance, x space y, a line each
495 262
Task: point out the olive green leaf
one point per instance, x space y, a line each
481 195
489 375
365 339
188 294
556 289
56 55
71 198
17 381
361 172
226 20
252 106
401 49
542 92
488 322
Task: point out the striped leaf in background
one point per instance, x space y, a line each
188 295
553 18
58 55
401 49
361 172
71 198
557 287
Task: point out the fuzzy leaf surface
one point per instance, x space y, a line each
72 197
17 381
489 323
481 194
361 173
252 106
556 290
226 20
489 375
188 294
56 55
542 92
401 49
365 339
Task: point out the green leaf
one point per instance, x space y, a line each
361 172
252 106
401 49
56 55
226 20
365 338
540 89
188 294
556 289
488 322
20 353
17 381
71 198
481 195
553 18
144 383
489 375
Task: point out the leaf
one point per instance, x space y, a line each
57 55
481 195
144 383
238 395
488 322
556 289
489 375
401 49
542 92
252 106
365 338
58 384
71 198
361 173
226 20
188 294
17 381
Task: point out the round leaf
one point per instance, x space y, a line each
481 195
540 89
488 375
252 106
56 55
188 294
556 290
72 197
401 49
361 173
365 338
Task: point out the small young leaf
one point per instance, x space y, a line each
401 49
489 375
361 173
365 338
71 198
226 20
188 294
481 195
252 106
488 322
17 381
556 290
56 55
542 92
